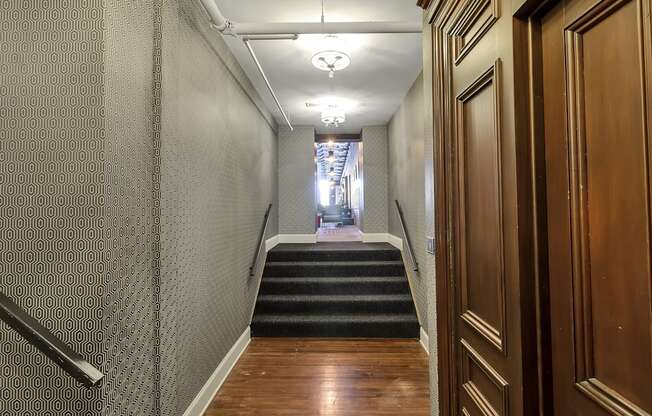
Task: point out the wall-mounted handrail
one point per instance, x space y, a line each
413 259
54 348
261 236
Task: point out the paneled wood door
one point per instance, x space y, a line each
597 76
482 253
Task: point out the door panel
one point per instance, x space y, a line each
487 314
595 76
483 383
482 278
484 259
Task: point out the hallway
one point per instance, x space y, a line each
301 377
333 233
326 207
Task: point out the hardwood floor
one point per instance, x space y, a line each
330 377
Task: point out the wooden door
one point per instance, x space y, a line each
481 251
596 88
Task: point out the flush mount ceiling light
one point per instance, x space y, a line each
331 156
331 172
331 58
333 117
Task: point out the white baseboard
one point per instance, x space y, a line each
375 237
272 242
298 238
215 381
395 241
423 339
383 238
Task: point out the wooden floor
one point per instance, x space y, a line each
330 232
309 377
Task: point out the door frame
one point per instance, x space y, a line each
531 188
528 77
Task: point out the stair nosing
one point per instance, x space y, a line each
320 278
344 318
402 297
336 263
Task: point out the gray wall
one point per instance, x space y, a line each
407 185
218 159
375 166
124 183
130 278
52 214
296 180
353 160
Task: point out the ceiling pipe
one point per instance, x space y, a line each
291 31
244 29
269 86
269 37
220 22
228 27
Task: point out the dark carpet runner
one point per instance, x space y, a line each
335 290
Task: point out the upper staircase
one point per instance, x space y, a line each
335 290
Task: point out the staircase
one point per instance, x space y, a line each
335 290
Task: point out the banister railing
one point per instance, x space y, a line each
408 243
261 237
46 342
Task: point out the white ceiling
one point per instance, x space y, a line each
383 66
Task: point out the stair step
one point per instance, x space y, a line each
335 290
323 304
331 285
335 268
360 325
329 255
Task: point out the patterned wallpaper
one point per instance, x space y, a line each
51 196
129 313
406 178
296 180
136 163
375 162
218 164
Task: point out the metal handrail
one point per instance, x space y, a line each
413 259
261 236
46 342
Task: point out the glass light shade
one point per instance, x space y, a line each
332 117
331 58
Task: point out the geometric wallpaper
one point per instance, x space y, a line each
218 164
411 144
136 163
375 179
51 196
296 178
129 320
406 184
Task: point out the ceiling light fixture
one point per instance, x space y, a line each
333 117
331 156
331 58
331 172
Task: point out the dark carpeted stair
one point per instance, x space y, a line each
335 290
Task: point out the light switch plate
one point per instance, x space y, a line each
430 245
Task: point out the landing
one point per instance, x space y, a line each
341 245
295 376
